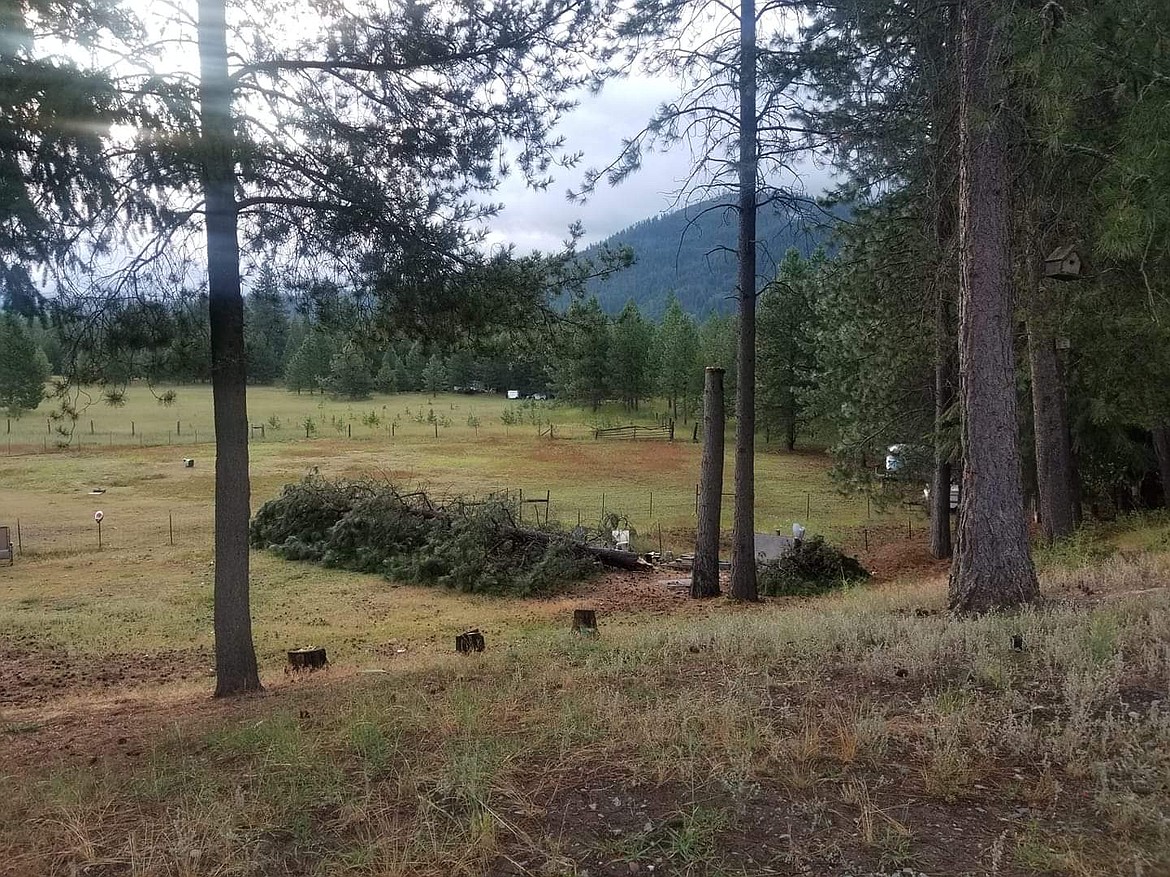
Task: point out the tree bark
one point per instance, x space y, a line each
940 37
705 570
992 566
743 551
1162 451
235 654
1055 471
940 488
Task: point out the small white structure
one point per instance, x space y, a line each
894 458
621 539
513 394
954 496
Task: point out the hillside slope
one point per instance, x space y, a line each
692 252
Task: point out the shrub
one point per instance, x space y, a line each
372 528
811 566
302 517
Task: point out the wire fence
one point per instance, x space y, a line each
658 519
54 441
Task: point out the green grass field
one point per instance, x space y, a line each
651 482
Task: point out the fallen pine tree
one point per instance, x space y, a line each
372 526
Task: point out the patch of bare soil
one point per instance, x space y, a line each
36 673
892 556
656 592
111 728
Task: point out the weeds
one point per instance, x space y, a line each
784 721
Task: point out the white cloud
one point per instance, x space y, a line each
539 220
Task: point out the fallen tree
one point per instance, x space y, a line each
473 545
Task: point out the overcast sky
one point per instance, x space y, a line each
540 220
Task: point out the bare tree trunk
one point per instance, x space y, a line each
235 654
993 565
1162 451
705 570
944 351
1055 471
940 36
743 551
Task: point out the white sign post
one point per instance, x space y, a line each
97 516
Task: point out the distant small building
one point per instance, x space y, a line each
513 394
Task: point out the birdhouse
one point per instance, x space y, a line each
1063 263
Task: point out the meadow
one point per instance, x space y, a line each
861 733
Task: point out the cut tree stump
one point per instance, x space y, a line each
307 659
585 622
469 641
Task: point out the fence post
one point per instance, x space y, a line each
171 527
651 505
19 541
808 505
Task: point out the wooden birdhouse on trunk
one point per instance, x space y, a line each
1063 263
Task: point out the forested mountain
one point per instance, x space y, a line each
692 253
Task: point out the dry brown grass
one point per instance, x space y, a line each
863 731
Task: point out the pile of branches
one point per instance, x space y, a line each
811 566
374 527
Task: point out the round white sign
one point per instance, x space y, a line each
97 516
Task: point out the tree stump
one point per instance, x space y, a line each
307 659
585 622
469 641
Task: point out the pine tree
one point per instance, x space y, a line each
24 368
434 376
583 369
414 363
993 564
785 344
631 349
310 366
386 380
266 329
677 348
349 374
55 116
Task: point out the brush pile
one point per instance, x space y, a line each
471 545
810 567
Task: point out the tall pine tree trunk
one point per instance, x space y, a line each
940 486
705 570
235 655
939 37
992 566
743 551
1055 470
1162 451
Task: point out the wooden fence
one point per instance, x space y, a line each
632 431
